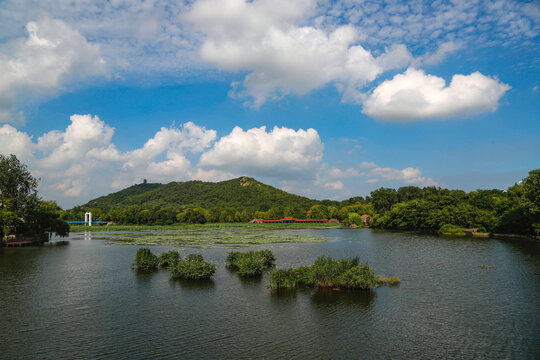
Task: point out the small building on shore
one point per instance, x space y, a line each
366 219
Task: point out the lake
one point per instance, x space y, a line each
82 300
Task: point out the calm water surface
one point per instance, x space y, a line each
82 300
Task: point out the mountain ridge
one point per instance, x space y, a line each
241 193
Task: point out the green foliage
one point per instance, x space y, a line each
250 264
283 279
326 272
193 216
356 219
531 196
241 193
240 200
383 199
515 221
193 267
145 260
170 258
358 277
250 267
451 230
20 206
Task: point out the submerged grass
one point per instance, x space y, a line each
181 227
206 238
381 280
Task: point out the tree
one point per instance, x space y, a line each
531 192
408 193
20 205
383 199
17 186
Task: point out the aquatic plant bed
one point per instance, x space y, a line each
250 264
206 237
82 228
193 267
327 272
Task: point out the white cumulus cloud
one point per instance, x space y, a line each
51 54
415 95
279 153
264 37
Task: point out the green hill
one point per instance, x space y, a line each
241 193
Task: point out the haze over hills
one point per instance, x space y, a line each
240 193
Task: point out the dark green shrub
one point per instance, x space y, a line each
169 258
290 278
358 277
283 279
304 276
233 258
193 268
326 272
267 257
249 264
145 260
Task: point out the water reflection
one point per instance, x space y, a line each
281 294
193 284
327 298
58 243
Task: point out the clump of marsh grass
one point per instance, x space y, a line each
145 260
170 258
327 272
250 264
193 267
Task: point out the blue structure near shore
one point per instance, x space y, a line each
82 222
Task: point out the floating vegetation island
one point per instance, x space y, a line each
145 260
250 264
193 267
327 272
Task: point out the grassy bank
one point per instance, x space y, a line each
182 227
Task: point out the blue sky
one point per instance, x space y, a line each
328 99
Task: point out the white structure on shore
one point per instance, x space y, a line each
88 219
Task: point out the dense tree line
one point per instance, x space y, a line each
21 210
515 210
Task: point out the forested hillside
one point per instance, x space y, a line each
515 210
244 194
